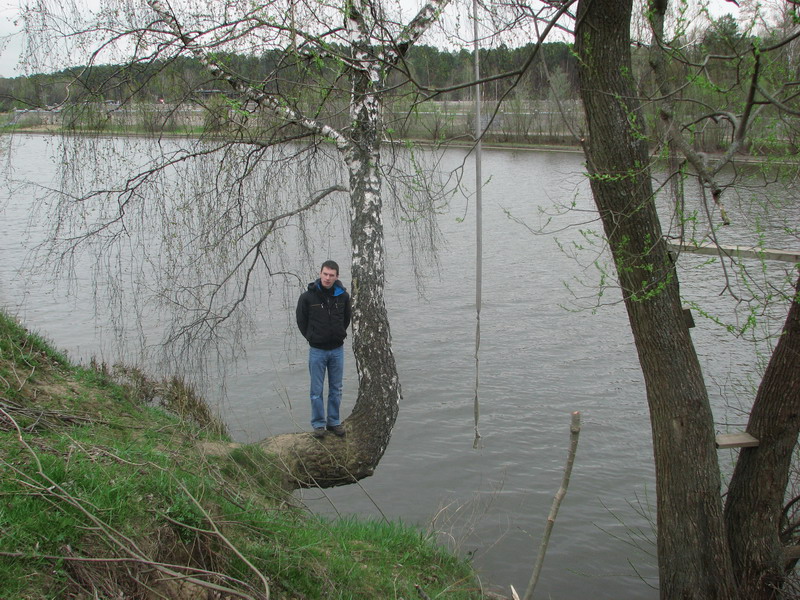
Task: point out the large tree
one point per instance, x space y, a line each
708 547
310 122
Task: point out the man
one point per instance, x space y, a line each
323 315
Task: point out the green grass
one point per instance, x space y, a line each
102 495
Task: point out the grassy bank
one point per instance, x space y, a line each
103 495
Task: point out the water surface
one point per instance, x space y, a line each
551 344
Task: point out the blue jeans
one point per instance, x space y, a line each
331 361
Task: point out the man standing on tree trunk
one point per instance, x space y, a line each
323 315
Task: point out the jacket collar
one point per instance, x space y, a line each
338 287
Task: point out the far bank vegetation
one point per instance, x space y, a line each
541 107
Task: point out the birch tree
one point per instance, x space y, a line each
312 123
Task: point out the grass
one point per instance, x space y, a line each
102 495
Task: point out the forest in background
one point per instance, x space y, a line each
540 106
432 68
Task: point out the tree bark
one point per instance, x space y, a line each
756 493
694 560
338 461
345 460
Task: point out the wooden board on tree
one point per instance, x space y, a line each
740 439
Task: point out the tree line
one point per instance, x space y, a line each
539 97
436 73
175 79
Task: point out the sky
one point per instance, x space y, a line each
10 47
11 43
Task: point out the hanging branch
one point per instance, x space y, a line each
707 174
574 431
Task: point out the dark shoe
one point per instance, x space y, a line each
319 432
338 430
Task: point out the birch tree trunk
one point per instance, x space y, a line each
373 52
344 460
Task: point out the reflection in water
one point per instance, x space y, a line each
550 345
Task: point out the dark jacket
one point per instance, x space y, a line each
323 316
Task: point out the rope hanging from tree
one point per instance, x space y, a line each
478 224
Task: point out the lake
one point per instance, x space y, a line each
550 344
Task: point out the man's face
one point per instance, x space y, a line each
327 277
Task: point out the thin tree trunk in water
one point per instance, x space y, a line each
693 556
756 492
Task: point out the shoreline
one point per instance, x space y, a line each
777 160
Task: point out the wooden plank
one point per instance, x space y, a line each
741 439
738 251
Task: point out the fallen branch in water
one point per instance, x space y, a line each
574 430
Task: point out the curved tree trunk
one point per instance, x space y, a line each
756 493
694 561
338 461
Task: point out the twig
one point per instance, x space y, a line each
421 592
225 540
176 576
43 415
574 431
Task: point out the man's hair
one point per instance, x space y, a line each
331 264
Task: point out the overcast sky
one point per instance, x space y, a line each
11 39
9 46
